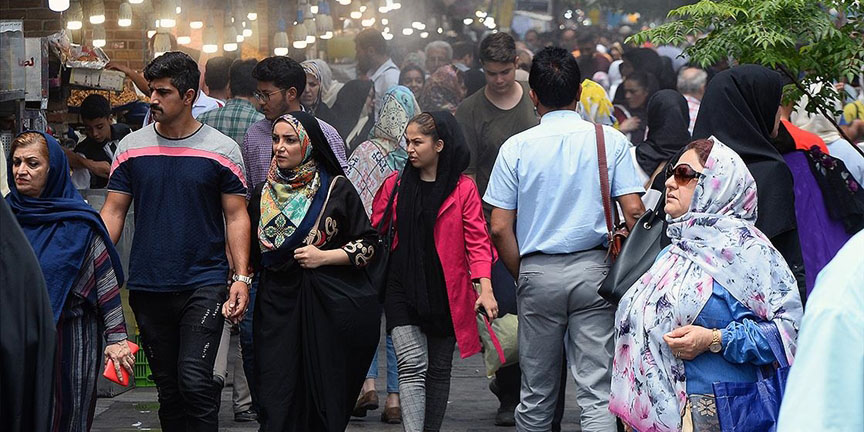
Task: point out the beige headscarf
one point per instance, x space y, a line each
814 123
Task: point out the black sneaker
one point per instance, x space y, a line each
246 416
505 416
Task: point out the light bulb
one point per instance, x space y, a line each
98 36
310 39
301 44
396 6
136 1
247 32
327 35
345 2
356 15
467 21
283 51
167 22
280 43
418 25
383 9
408 31
150 33
211 40
424 35
240 38
58 5
75 17
385 21
124 15
184 40
252 16
314 9
97 12
363 8
196 24
229 46
387 36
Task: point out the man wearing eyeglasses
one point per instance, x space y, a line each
281 81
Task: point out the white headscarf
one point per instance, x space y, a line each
715 240
329 86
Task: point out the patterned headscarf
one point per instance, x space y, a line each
373 160
288 194
443 91
595 106
716 240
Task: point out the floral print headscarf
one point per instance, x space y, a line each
716 240
443 91
288 194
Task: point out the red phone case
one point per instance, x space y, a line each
111 372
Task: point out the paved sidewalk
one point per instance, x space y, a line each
471 407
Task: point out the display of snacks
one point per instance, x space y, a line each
116 99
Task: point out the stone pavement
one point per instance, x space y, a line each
471 407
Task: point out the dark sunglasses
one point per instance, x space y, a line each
683 173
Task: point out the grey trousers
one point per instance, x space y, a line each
424 377
557 298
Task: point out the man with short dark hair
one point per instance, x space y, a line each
189 189
546 182
216 73
374 61
101 142
239 112
463 55
489 117
280 83
591 61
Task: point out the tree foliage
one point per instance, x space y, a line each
809 41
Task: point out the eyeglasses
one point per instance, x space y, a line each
265 96
683 173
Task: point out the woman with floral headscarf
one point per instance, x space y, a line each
316 312
373 160
443 91
694 318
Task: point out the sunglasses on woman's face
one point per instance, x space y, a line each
683 173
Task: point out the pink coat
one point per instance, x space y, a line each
464 248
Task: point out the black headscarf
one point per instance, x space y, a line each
349 105
321 150
452 161
668 118
739 108
648 61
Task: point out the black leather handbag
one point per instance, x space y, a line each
637 255
379 269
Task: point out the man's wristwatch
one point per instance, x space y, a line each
240 278
716 341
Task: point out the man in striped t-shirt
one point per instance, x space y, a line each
189 188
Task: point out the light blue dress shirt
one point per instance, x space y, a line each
825 390
549 174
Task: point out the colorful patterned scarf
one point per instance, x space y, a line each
288 195
715 240
443 91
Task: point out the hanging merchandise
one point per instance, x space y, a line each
211 39
58 5
98 36
184 36
324 22
300 31
229 37
280 40
167 14
161 44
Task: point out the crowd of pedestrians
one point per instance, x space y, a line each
439 190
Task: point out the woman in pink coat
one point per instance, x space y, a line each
441 245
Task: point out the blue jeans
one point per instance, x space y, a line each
246 344
392 371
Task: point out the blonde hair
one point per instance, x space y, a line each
28 139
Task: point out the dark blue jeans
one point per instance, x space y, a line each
246 344
181 332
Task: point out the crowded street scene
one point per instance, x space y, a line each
432 215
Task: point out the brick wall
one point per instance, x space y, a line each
126 45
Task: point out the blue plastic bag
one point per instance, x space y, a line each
754 407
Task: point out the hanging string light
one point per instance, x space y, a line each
161 44
211 39
97 12
324 22
280 40
124 15
98 36
75 20
167 14
58 5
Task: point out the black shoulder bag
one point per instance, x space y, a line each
379 268
637 255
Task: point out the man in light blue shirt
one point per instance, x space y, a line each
546 181
825 391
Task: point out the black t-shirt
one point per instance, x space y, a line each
102 152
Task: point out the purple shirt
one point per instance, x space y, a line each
257 149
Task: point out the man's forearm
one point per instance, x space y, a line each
113 222
508 251
238 238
